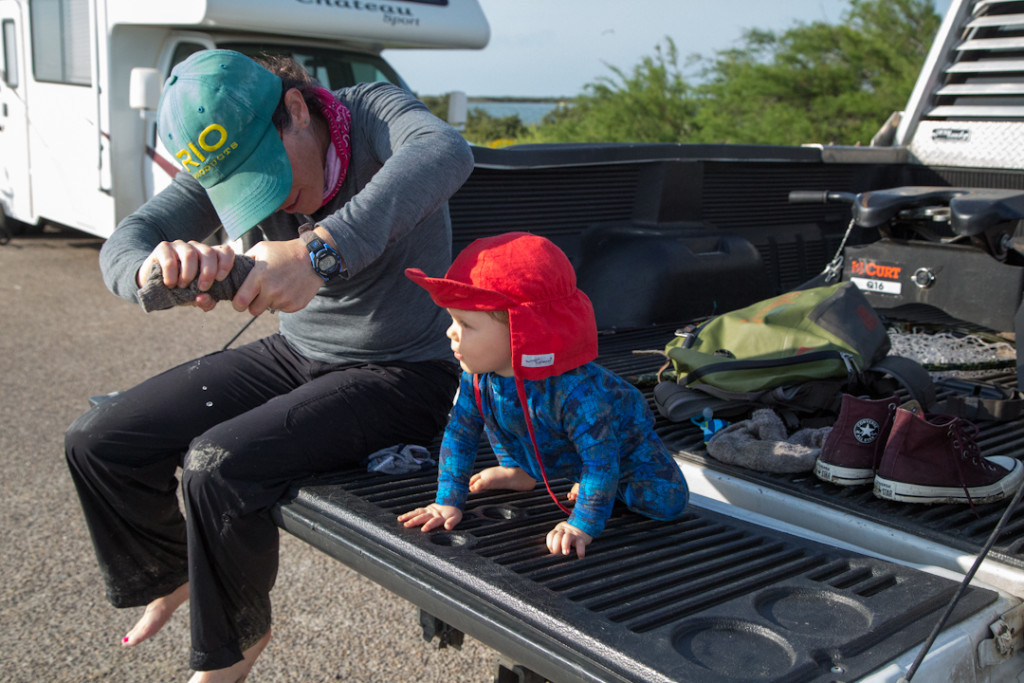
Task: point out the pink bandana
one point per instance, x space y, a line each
339 119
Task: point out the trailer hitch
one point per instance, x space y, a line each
510 672
446 634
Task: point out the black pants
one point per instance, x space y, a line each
244 425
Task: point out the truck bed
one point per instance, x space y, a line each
710 597
953 526
768 577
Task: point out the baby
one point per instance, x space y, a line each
526 337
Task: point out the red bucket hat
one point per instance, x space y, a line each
551 322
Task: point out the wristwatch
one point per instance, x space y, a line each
326 261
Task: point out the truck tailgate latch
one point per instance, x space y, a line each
1007 638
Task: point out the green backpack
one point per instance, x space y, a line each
797 352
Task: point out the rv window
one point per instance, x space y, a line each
182 51
60 41
365 72
10 54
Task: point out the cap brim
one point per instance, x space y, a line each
453 294
256 188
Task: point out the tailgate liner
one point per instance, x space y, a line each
707 597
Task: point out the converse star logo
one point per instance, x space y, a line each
866 430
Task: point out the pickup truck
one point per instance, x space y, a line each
768 577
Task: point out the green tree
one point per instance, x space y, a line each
484 129
651 104
817 82
437 104
481 127
812 83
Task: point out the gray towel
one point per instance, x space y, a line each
156 296
762 443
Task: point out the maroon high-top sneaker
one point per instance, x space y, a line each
935 459
853 448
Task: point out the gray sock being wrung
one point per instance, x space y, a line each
156 296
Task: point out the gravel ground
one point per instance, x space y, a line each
64 337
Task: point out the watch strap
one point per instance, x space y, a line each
316 246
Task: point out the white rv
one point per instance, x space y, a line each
72 149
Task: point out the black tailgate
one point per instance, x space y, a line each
705 598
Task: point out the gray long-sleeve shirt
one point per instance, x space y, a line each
390 214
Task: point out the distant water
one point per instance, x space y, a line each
530 113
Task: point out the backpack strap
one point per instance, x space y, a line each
908 373
712 364
678 403
813 404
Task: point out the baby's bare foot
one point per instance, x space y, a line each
156 615
237 672
574 492
509 478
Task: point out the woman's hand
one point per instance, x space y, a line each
564 537
432 516
282 279
182 262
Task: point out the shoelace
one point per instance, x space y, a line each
964 435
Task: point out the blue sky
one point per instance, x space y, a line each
544 48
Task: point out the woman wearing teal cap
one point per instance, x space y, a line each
360 362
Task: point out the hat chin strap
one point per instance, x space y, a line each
521 391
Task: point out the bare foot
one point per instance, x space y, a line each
156 615
511 478
574 492
237 672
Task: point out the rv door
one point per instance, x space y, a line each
15 188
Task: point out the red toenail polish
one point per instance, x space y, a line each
125 640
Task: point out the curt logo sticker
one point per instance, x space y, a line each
872 269
876 277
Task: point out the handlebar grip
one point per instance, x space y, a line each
808 197
821 197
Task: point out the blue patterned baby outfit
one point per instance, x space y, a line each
591 426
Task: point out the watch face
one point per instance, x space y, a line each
327 262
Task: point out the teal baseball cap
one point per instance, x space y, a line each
215 117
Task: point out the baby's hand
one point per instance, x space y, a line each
564 537
432 516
